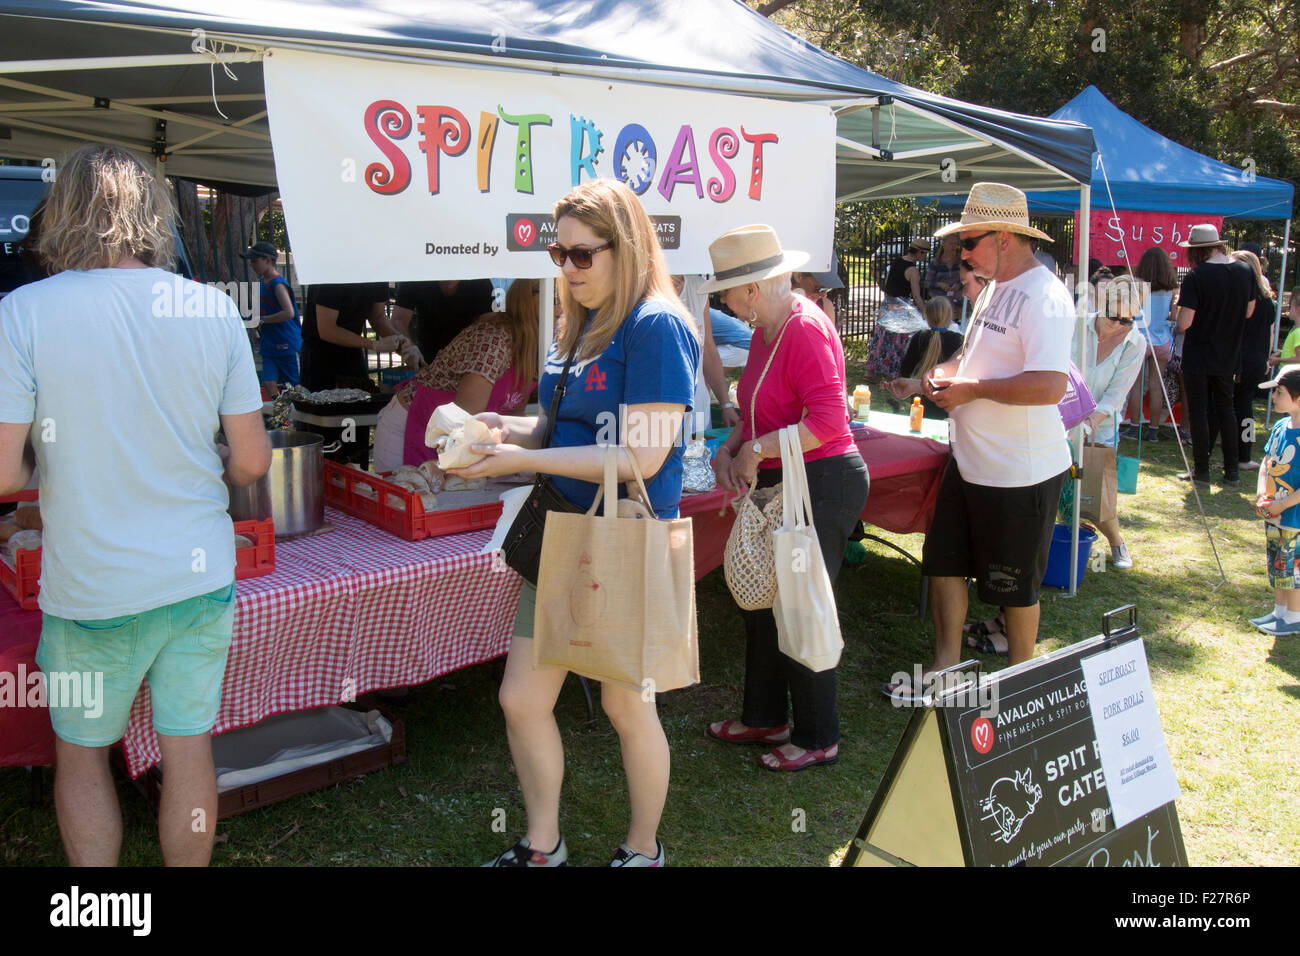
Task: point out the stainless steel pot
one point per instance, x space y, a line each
292 492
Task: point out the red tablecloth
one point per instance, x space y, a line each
905 473
346 612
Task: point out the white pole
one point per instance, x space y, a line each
1277 319
546 321
1080 291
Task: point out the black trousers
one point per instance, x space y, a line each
838 489
1209 400
1244 392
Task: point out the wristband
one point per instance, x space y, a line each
727 405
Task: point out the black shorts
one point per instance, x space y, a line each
1001 537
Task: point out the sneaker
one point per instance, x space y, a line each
521 854
1152 434
1268 618
1277 627
1119 557
1231 481
1202 480
1129 431
625 856
1249 466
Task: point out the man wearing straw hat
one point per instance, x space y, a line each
1215 300
996 507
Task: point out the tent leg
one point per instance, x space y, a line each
1080 359
1277 319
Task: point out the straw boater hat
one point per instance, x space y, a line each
1205 234
749 254
997 208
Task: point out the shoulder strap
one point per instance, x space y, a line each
559 394
753 398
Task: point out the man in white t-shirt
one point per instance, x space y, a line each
120 373
996 508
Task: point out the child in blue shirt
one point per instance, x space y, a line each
1277 501
280 324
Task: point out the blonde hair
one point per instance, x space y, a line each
107 205
611 210
1252 260
1124 291
520 320
938 315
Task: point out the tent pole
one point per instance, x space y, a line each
546 317
1080 291
1277 319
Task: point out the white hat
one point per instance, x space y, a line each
998 207
1282 372
1205 234
749 254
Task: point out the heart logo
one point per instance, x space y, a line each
981 735
525 232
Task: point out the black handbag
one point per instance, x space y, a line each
522 548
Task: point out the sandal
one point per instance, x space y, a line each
809 758
750 735
984 643
994 625
903 693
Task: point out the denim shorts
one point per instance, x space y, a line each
280 364
93 669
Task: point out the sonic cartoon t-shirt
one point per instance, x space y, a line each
651 359
1283 464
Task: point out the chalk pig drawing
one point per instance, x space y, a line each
1010 801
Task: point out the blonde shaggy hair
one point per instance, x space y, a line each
612 211
107 205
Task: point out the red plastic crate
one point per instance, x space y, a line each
23 581
259 559
412 523
28 495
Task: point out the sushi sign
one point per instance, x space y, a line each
450 173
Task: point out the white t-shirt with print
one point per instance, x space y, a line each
1024 324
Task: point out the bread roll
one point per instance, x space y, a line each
456 452
456 483
444 420
436 476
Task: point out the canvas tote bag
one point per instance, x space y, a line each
616 591
807 621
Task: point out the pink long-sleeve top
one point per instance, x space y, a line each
805 383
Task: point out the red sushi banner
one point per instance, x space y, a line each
1120 239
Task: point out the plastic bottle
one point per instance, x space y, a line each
861 402
916 414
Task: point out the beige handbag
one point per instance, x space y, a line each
748 562
616 592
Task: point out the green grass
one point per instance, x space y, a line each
1229 699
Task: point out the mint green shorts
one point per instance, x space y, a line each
93 669
526 612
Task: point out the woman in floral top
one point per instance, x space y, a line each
489 367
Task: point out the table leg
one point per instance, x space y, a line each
925 584
591 706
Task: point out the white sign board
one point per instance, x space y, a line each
1134 759
400 171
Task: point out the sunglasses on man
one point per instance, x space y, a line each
970 244
581 258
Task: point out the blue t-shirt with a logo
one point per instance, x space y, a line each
1282 464
651 359
287 333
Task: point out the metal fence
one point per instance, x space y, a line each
865 255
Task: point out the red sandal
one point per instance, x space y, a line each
810 758
750 735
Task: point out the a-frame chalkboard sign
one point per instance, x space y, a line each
1025 787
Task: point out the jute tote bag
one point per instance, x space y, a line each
616 592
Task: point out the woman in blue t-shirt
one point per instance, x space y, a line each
279 324
635 351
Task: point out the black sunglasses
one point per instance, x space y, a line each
970 244
1120 321
581 258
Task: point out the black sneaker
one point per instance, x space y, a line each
1231 481
521 854
1202 480
1129 431
1152 434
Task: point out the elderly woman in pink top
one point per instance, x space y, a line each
795 374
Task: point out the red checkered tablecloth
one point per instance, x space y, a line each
353 610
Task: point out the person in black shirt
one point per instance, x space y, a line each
1216 299
903 281
1252 367
333 348
442 311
